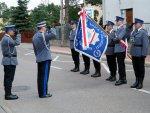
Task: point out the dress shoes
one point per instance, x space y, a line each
139 86
76 69
134 85
11 97
96 74
46 96
85 72
120 82
111 79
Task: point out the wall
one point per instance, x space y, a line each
111 9
141 9
126 4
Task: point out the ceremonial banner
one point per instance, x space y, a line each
91 40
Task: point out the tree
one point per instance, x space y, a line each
3 7
50 13
66 11
7 14
73 12
20 15
94 2
74 2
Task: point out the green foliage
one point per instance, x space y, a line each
50 13
20 15
6 15
3 7
74 9
74 2
73 12
94 2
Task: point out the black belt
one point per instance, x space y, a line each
10 56
137 45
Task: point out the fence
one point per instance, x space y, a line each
27 36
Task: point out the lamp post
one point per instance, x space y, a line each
62 23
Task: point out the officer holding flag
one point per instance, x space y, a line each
120 51
91 40
139 51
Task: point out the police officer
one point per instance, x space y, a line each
8 45
75 54
42 52
120 51
111 57
86 71
139 51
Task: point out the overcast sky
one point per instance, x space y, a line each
32 3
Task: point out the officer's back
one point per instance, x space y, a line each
42 46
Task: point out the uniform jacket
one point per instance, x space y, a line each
8 46
139 43
41 46
111 44
72 37
119 35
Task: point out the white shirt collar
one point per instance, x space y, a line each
8 35
140 28
111 31
74 29
120 26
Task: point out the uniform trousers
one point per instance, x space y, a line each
43 77
75 57
9 73
121 65
139 67
87 63
112 64
97 66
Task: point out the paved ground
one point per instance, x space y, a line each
72 92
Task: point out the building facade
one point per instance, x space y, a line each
129 9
